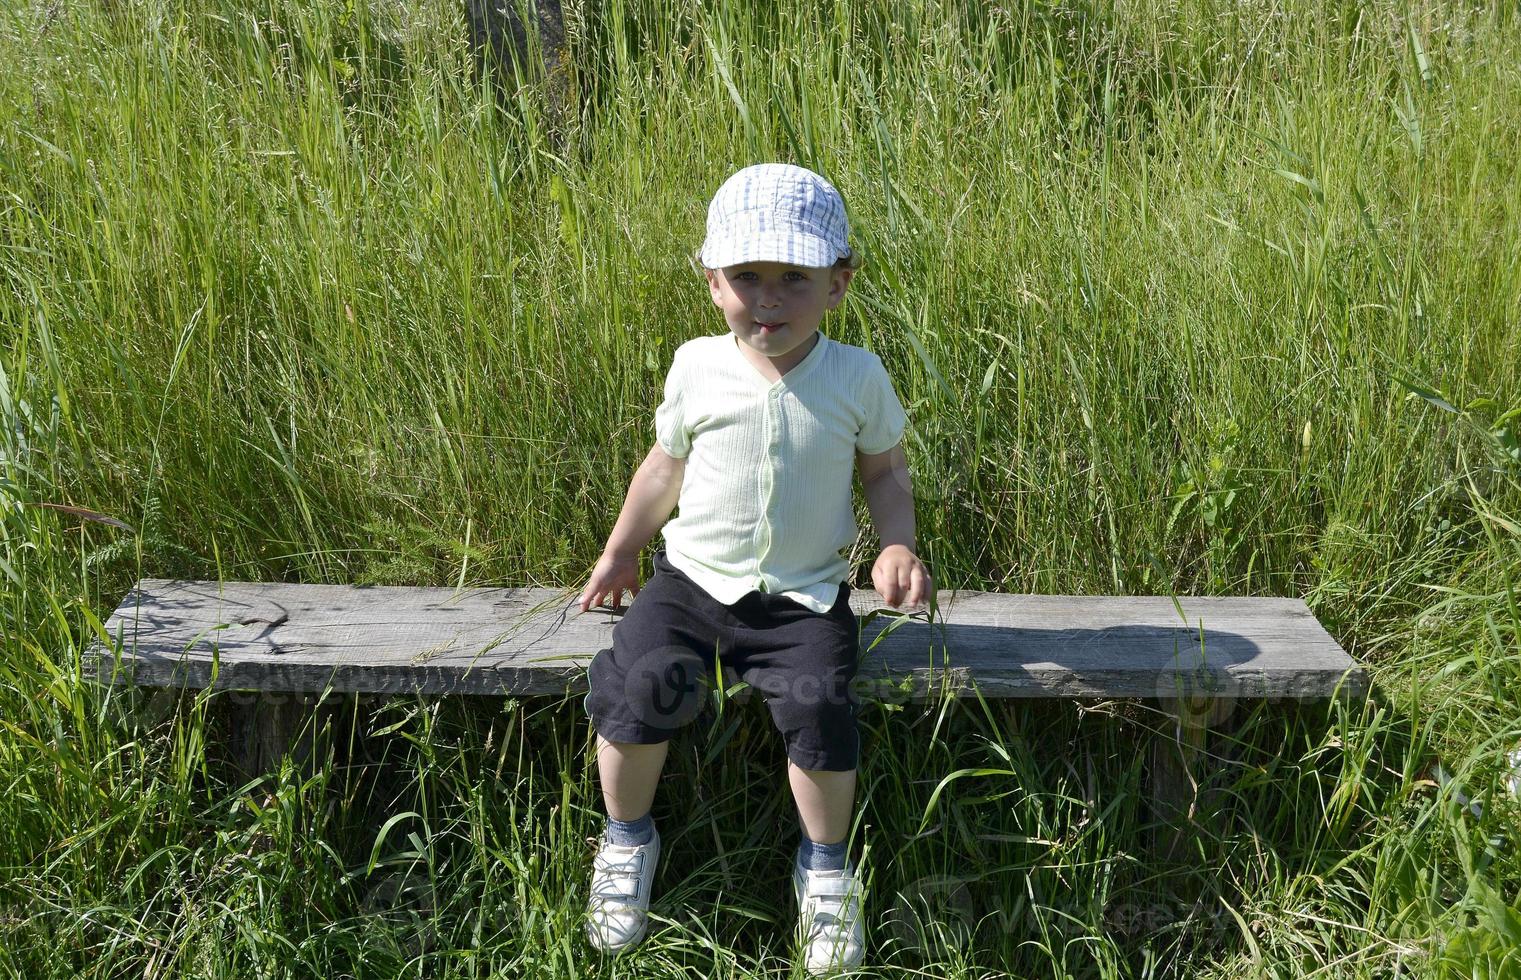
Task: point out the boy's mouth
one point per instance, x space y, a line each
768 327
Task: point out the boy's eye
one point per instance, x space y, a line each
749 276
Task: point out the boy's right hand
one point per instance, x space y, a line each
609 578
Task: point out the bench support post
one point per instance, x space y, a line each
267 726
1176 769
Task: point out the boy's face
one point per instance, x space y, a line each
775 308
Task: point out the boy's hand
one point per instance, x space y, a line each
609 578
899 574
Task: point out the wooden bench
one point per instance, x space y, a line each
1194 658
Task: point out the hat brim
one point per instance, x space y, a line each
791 247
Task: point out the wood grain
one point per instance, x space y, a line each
287 637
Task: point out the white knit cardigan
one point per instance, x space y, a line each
765 503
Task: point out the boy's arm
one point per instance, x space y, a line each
652 495
898 574
889 495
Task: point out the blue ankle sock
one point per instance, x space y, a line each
821 857
628 833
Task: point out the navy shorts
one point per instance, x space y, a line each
656 677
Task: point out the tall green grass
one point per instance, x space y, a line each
1194 297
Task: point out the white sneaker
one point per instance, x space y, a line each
622 877
829 918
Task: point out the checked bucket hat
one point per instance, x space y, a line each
776 212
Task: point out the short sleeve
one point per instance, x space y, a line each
885 418
671 430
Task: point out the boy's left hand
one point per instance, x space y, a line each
899 575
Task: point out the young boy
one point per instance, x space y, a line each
756 440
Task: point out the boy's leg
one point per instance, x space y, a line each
824 800
648 685
623 872
804 663
629 775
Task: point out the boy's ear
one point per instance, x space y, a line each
837 288
712 277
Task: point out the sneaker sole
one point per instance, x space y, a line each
638 938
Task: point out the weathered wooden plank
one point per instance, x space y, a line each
285 637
